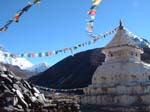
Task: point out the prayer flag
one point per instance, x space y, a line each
89 29
71 51
92 17
24 55
8 23
33 55
54 52
3 29
17 16
48 53
96 2
37 1
7 55
43 54
90 24
26 8
93 7
14 55
75 47
92 12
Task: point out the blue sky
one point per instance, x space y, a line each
53 25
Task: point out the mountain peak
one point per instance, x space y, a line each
22 63
39 67
141 42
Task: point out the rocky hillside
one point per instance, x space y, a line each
76 71
17 95
146 56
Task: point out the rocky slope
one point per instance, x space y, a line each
17 95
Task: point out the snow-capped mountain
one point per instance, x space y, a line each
39 67
143 43
22 63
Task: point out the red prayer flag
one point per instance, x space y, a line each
16 18
89 29
14 55
92 12
49 53
33 55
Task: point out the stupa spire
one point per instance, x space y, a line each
120 25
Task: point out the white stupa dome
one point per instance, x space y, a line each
122 63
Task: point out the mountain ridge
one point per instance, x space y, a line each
76 71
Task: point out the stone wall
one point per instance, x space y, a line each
122 95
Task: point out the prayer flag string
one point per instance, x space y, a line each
59 90
64 50
92 14
18 14
16 18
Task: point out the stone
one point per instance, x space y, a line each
17 95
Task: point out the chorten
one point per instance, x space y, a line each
123 79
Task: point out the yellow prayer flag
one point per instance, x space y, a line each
96 2
25 55
91 24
